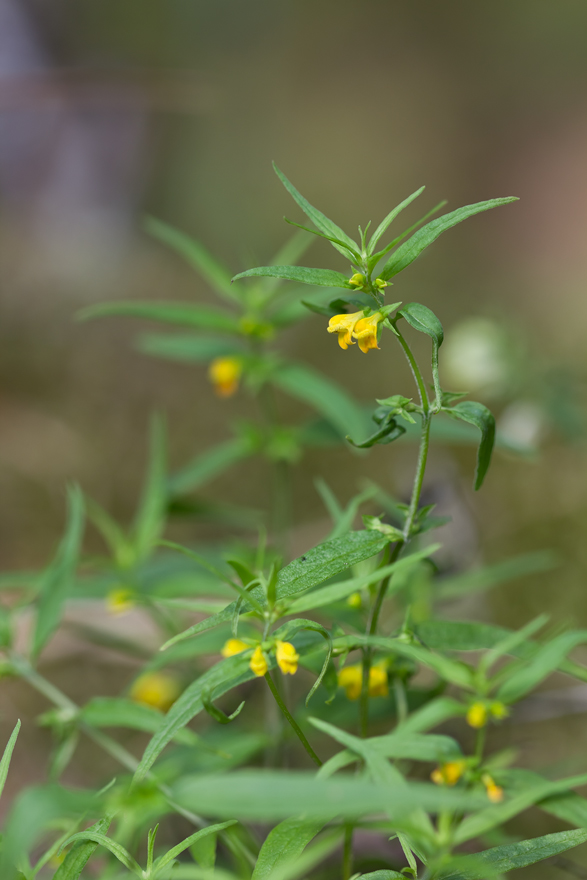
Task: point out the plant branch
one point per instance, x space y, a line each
291 719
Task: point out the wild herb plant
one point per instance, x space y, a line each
339 622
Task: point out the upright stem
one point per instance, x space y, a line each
347 853
419 476
292 720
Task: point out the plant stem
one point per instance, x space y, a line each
291 720
480 742
347 853
419 476
401 703
424 402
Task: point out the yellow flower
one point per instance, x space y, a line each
357 280
448 773
155 689
258 662
120 600
365 332
287 658
477 715
232 647
224 373
344 326
355 600
351 679
494 792
380 283
499 710
378 681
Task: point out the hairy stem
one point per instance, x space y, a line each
295 726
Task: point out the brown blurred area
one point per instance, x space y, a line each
113 109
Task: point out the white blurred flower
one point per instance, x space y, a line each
475 357
522 423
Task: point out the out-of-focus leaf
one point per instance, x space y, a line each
477 414
301 274
278 794
413 247
423 319
195 254
80 854
491 575
285 843
186 348
548 658
184 314
430 715
112 846
209 465
150 517
169 856
382 874
500 859
324 395
119 712
5 762
317 565
459 635
320 221
59 578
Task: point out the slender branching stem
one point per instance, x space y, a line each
295 726
347 853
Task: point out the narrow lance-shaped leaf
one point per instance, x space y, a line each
317 217
80 854
209 465
391 217
301 274
285 843
187 348
150 516
195 254
172 854
5 762
547 659
184 314
59 577
112 846
477 414
413 247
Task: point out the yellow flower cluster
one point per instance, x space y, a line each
494 792
478 713
119 601
285 654
351 679
448 773
225 373
355 326
155 689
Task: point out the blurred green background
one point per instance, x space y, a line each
111 109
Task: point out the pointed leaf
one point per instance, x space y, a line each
185 314
80 854
285 843
413 247
391 217
319 219
423 319
112 846
59 577
186 348
169 856
150 517
477 414
5 762
301 274
548 658
195 254
209 465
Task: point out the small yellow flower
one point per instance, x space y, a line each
355 600
448 773
258 662
225 373
365 332
477 715
351 679
357 280
120 600
156 689
344 326
494 792
378 681
287 658
232 647
499 710
380 283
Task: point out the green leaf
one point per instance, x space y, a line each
413 247
195 254
396 745
489 576
285 843
209 465
301 274
430 715
548 658
169 856
477 414
423 319
324 395
185 314
317 565
186 348
112 846
80 854
332 239
382 874
500 859
319 219
459 635
267 795
5 762
120 712
59 577
374 259
391 217
151 514
288 255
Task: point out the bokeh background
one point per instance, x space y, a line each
113 109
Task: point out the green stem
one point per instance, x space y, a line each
295 726
424 402
401 703
419 476
480 742
347 853
435 378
